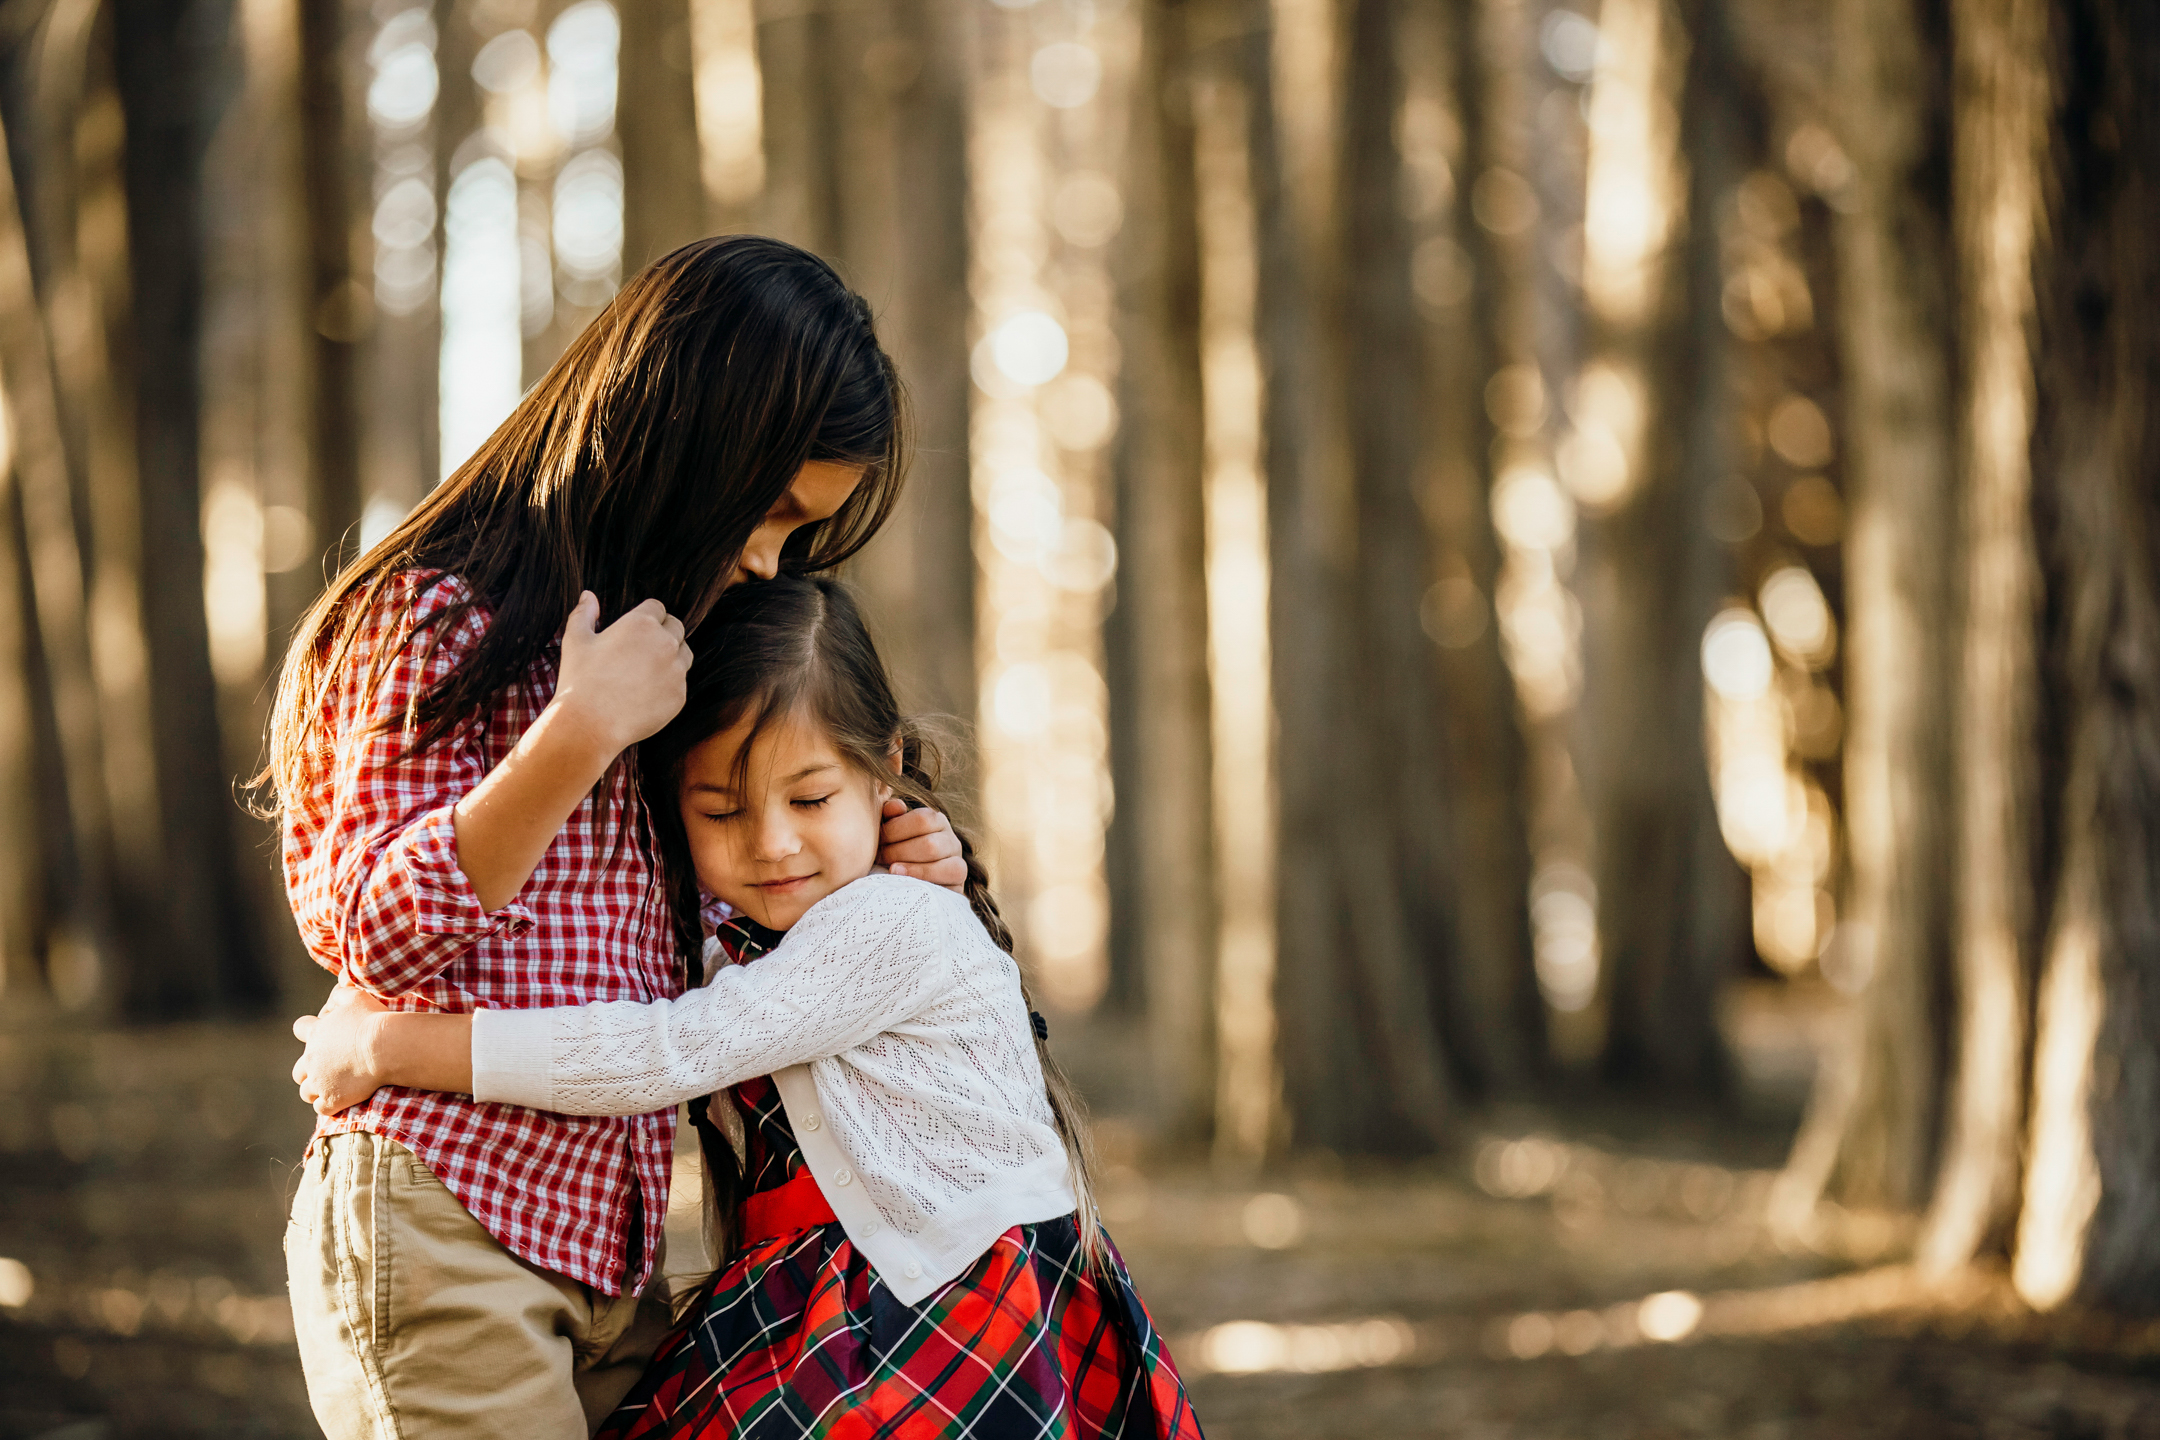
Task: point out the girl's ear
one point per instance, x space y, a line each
893 762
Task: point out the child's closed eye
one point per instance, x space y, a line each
813 802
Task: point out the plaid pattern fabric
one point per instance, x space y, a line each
371 870
796 1336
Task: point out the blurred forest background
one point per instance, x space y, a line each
1552 604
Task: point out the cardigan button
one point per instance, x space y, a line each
843 1176
871 1229
813 1122
913 1271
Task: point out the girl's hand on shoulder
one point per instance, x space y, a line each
921 844
624 682
338 1069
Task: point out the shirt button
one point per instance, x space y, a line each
813 1122
871 1229
844 1176
913 1271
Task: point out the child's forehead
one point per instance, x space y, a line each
783 745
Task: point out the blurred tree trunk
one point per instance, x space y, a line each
1871 1135
1671 904
207 957
1998 144
925 325
803 100
79 917
1363 1064
2076 173
1497 1018
1163 937
897 149
334 291
656 117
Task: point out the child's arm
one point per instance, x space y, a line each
615 687
357 1045
862 961
398 860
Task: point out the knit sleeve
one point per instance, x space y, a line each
862 961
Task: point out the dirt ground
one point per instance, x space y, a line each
1602 1279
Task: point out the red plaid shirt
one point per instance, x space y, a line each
371 869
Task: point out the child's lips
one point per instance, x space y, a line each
787 886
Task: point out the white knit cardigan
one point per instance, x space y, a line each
897 1036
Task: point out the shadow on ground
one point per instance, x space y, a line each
1606 1280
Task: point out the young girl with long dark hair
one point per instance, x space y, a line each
461 830
910 1245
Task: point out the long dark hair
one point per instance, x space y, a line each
639 466
797 646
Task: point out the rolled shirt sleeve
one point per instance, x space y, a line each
371 860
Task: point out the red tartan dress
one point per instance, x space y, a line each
797 1337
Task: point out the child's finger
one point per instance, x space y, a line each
910 824
583 615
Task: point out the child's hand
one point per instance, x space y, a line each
337 1071
921 843
624 682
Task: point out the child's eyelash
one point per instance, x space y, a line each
813 804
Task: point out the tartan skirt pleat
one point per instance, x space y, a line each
797 1338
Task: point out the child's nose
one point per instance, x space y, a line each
776 839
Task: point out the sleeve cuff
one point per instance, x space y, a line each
513 1058
443 897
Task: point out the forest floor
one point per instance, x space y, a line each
1572 1273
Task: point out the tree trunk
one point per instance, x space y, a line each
1363 1066
1671 904
1156 639
1871 1135
801 202
334 360
900 140
1497 1029
2089 152
207 958
2000 123
656 117
79 912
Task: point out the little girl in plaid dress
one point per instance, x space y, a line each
900 1175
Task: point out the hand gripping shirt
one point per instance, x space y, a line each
371 870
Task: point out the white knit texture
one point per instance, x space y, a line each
914 1032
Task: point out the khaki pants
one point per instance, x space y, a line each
415 1323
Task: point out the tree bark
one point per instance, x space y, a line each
802 200
1498 1029
1871 1135
1363 1066
2000 125
1381 350
1671 903
208 958
334 359
656 118
1156 639
79 903
2077 79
